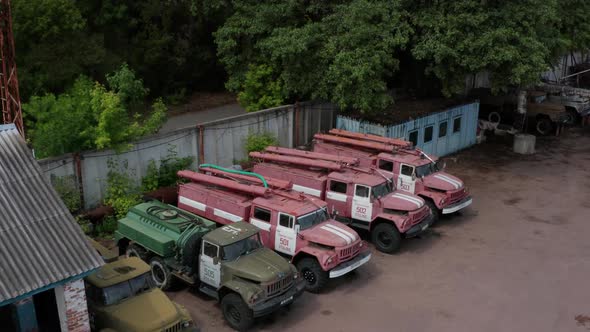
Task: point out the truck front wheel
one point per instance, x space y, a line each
160 273
133 250
236 312
386 238
436 212
311 271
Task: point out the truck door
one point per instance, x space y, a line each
406 180
209 265
362 208
285 236
261 219
336 198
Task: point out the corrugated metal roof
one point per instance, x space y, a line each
40 242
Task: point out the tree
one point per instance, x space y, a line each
343 51
574 25
87 116
512 40
260 89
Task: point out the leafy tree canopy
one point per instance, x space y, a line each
87 116
343 51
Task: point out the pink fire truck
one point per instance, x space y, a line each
411 169
291 223
360 197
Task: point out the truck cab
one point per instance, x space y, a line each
294 225
410 169
358 198
443 192
228 263
122 296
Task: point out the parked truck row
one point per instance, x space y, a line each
255 240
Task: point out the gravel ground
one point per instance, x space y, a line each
516 260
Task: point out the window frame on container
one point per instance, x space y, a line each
415 131
455 129
442 133
426 140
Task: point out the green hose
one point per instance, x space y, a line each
229 170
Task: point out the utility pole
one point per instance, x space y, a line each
9 95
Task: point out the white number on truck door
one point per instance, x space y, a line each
362 208
209 266
285 237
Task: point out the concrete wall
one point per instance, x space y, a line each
219 142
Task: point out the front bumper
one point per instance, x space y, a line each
465 202
421 227
344 268
265 308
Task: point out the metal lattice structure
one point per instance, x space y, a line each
9 95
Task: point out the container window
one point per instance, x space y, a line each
337 186
386 165
262 214
413 137
209 249
442 129
286 220
407 170
457 125
428 134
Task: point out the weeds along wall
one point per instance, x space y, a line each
220 142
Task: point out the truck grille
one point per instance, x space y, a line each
174 328
419 215
457 195
278 287
348 252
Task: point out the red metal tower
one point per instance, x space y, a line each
11 107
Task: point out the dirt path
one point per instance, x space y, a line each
516 260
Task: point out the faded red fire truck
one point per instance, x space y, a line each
291 223
360 197
411 169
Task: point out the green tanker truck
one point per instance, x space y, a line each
228 263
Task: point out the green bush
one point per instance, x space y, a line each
106 228
67 189
257 142
122 192
260 89
165 175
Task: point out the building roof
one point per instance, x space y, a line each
40 242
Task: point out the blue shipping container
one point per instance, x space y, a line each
439 134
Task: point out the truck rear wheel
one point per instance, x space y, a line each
236 313
315 278
436 212
386 238
160 273
133 250
544 126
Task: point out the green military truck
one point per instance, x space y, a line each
122 297
228 263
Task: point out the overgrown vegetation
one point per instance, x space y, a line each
164 175
122 191
259 141
89 116
67 189
350 52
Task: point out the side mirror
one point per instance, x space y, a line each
297 228
215 260
414 176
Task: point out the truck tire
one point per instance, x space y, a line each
544 126
236 313
133 250
311 271
386 238
160 273
436 212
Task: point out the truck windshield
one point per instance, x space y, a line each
381 190
242 247
427 169
311 219
119 292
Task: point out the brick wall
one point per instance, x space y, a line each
73 306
